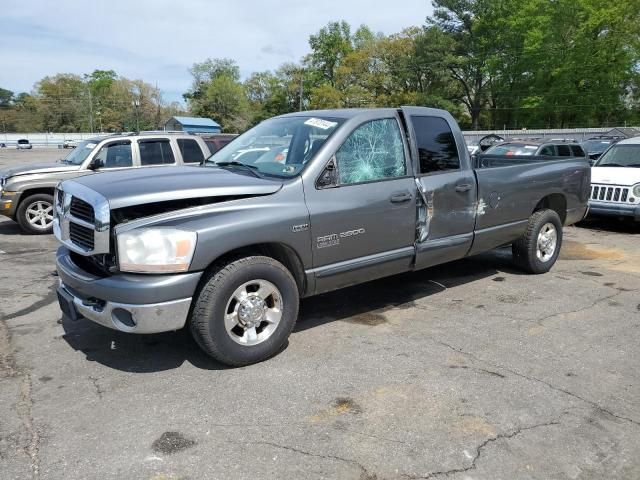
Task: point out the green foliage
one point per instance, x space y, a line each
5 97
99 102
491 63
328 48
226 101
217 93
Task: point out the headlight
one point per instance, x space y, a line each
151 250
636 190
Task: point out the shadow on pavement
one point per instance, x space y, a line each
166 351
400 291
10 228
136 353
611 224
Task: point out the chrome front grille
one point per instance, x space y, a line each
610 193
81 220
81 236
82 210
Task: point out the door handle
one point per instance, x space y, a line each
463 187
400 197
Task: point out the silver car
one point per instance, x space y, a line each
23 144
26 191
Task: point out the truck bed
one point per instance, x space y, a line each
493 161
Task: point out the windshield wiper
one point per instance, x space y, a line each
250 168
610 165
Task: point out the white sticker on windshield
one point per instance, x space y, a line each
319 123
530 147
90 145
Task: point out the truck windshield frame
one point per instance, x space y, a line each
280 147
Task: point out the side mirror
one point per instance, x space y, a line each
329 176
96 164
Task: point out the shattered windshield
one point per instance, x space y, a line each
80 153
279 146
620 156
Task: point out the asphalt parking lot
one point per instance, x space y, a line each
470 370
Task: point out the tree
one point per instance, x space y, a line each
6 96
205 72
63 103
226 101
328 48
325 96
464 48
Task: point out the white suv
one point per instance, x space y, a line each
615 181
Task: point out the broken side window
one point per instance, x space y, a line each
373 151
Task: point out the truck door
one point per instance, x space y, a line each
362 207
447 186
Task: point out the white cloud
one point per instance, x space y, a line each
157 40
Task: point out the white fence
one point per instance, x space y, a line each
51 140
579 134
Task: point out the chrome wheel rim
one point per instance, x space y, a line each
253 312
40 215
547 242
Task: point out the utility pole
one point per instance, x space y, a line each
90 109
301 87
158 107
136 104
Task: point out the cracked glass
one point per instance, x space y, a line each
374 151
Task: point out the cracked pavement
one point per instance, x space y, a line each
467 371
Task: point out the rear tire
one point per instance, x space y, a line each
245 310
538 248
35 214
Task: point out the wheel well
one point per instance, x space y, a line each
282 253
35 191
556 202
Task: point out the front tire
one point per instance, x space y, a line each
35 214
245 311
538 248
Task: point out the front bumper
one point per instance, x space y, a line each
127 302
8 203
614 210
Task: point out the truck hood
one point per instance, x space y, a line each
127 188
615 176
36 168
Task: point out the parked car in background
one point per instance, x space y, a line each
23 144
228 248
615 181
596 146
70 144
26 192
544 148
216 141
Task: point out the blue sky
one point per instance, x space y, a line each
158 40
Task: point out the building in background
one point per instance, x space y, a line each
192 125
624 132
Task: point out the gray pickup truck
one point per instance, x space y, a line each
334 198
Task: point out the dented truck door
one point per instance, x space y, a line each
362 207
446 184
